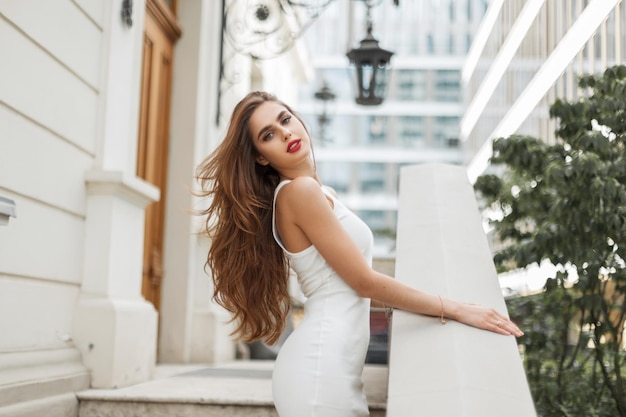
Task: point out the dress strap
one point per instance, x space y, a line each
276 237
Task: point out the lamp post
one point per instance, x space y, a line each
371 62
325 96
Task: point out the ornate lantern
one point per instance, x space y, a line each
371 63
325 96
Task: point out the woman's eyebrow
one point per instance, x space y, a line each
263 130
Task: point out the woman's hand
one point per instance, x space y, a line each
486 319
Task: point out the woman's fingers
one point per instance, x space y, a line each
490 319
505 326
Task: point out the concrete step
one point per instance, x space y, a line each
41 382
237 389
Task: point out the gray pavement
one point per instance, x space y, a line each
239 383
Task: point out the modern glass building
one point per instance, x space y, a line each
360 152
525 55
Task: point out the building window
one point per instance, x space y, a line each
377 220
339 129
340 80
411 85
411 131
447 85
336 175
430 44
446 132
372 177
377 129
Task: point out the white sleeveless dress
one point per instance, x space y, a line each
318 369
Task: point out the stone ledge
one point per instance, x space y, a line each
95 408
64 405
241 388
136 409
121 185
29 376
35 391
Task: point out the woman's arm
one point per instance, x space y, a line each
307 208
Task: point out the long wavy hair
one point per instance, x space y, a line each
249 270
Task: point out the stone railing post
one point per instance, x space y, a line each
452 370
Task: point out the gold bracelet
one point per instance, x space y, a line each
441 318
388 311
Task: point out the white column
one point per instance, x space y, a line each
192 327
114 327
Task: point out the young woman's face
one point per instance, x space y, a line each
279 136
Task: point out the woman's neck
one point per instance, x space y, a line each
295 173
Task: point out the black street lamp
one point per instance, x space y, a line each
325 96
371 63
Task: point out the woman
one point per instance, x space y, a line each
268 213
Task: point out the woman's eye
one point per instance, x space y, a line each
286 119
268 136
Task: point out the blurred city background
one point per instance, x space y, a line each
107 107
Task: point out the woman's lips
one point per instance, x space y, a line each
294 145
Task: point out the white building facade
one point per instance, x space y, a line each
526 54
106 108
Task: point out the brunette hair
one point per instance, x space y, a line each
249 270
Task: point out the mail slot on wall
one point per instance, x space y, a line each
7 210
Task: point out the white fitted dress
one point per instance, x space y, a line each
318 369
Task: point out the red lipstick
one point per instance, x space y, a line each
294 145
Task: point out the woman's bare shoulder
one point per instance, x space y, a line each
302 191
302 186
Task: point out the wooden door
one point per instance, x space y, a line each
160 32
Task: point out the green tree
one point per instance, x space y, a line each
566 203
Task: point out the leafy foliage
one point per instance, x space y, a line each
566 203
